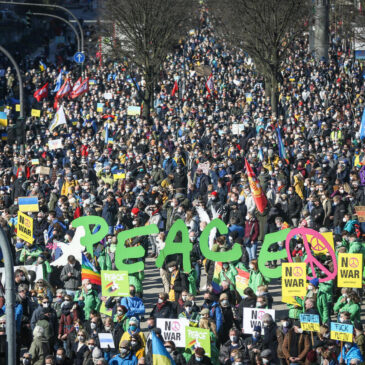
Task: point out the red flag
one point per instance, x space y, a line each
175 88
256 190
41 93
65 90
82 89
76 84
210 85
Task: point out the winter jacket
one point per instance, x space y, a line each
71 282
294 206
215 313
167 311
90 301
303 346
37 314
205 361
39 349
181 283
225 352
338 214
128 334
130 359
270 340
110 212
352 353
134 305
256 279
251 231
66 322
353 308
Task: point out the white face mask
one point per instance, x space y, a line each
88 286
171 269
310 287
251 267
160 300
92 325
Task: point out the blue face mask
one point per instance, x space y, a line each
133 328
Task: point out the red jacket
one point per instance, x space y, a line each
251 230
67 322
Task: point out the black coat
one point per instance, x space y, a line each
270 340
167 311
205 361
181 283
294 206
338 214
225 351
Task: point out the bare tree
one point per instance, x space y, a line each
265 29
145 31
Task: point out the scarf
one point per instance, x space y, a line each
160 305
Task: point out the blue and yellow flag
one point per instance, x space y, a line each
3 119
28 204
282 152
42 66
160 356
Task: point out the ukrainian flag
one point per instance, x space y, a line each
4 136
3 119
28 204
160 356
42 66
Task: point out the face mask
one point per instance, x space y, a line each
88 287
300 330
59 357
310 287
92 325
22 278
132 293
45 305
348 345
266 324
171 269
225 302
260 305
265 361
286 324
160 300
251 267
123 351
91 347
184 297
168 349
199 359
134 343
26 362
233 339
81 338
132 328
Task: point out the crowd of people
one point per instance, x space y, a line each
187 162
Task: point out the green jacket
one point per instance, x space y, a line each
355 247
327 288
231 274
256 279
338 305
136 280
353 309
26 252
192 281
91 302
104 261
322 305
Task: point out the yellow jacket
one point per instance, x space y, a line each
127 336
298 185
66 187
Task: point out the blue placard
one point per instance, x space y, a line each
342 327
309 318
79 57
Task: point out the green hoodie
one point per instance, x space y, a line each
104 261
353 309
91 301
231 274
256 279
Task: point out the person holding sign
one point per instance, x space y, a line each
350 354
352 306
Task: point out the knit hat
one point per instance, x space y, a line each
134 320
214 193
314 282
135 211
97 354
266 353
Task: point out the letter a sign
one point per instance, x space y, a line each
294 279
350 268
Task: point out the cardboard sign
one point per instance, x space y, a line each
360 212
108 96
25 227
242 280
317 247
134 110
106 311
35 161
17 107
173 330
293 281
119 176
289 300
237 128
309 322
114 283
106 340
100 107
341 332
205 166
253 317
42 170
349 270
54 144
36 113
197 337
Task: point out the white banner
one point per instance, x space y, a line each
253 317
173 330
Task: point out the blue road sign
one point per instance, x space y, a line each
79 57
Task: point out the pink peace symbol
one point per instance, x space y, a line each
354 262
260 314
316 246
175 326
311 260
297 271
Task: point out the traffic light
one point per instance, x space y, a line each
28 15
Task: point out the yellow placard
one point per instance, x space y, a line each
36 113
317 246
290 300
294 278
25 227
17 107
349 271
119 176
310 327
341 332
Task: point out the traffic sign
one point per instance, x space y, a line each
79 57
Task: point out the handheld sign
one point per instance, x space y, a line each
25 227
197 337
309 322
79 57
114 283
173 330
294 279
253 317
349 270
341 332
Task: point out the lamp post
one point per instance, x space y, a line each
57 7
67 22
